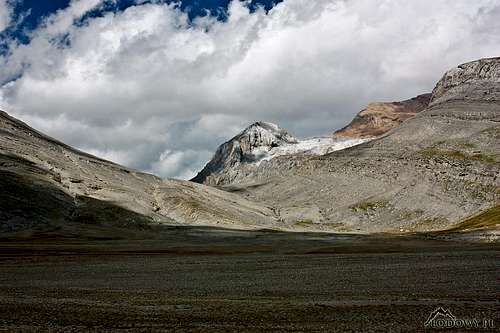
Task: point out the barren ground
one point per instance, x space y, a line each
199 280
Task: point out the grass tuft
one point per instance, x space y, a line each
304 223
483 157
488 218
369 205
431 152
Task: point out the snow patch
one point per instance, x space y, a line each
311 146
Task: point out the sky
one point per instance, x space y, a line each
158 85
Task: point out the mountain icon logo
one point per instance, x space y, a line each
437 314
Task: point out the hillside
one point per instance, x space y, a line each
432 171
250 151
49 186
380 117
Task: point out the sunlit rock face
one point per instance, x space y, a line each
380 117
259 143
473 81
430 172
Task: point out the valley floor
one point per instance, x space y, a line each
202 280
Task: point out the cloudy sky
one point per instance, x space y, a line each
157 85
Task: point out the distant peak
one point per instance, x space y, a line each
473 81
263 133
265 125
250 145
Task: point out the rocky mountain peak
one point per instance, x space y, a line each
248 146
263 134
473 81
243 155
436 171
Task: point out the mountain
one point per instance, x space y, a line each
241 157
49 186
434 170
250 146
256 145
437 170
379 118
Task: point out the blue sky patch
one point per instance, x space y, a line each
28 14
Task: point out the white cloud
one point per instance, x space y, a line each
179 163
147 88
62 20
5 14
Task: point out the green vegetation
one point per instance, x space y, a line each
193 204
303 223
411 214
488 218
483 157
494 132
427 221
467 145
368 205
432 151
442 152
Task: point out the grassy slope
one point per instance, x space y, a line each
488 218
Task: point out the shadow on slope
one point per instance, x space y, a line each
32 205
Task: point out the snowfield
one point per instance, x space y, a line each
311 146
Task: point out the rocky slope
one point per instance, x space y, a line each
250 151
435 171
47 185
249 146
241 157
432 171
379 118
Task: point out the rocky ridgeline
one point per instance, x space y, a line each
239 159
47 185
429 173
477 81
435 169
380 117
255 149
245 148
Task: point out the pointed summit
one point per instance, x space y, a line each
260 142
263 134
248 146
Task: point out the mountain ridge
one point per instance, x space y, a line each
428 174
380 117
259 143
432 171
32 163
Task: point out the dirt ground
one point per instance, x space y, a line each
211 280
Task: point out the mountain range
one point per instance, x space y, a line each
426 164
